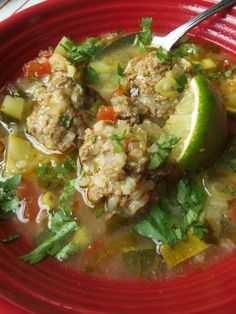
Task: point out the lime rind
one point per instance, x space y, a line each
200 120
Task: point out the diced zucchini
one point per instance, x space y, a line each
21 157
142 262
183 250
59 48
208 64
167 86
14 107
49 199
81 237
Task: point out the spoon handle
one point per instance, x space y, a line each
173 36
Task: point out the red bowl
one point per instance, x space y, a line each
49 287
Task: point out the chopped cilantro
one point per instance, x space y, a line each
215 76
233 193
120 70
65 121
196 68
100 212
229 72
162 225
83 52
185 40
182 81
55 170
163 55
94 139
66 251
10 238
184 51
52 246
8 198
116 138
92 75
144 38
164 147
62 225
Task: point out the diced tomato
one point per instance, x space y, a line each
106 113
232 209
37 69
29 192
118 92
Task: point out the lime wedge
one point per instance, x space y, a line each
200 121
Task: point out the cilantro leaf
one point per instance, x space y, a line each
62 225
55 170
144 38
65 121
83 52
92 75
164 147
184 40
10 238
120 70
162 224
100 212
182 81
116 139
52 245
66 251
8 199
163 55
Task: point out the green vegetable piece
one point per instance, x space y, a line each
162 226
185 40
164 147
163 55
100 212
143 263
118 137
182 81
52 245
83 52
8 199
11 237
92 75
144 38
66 251
120 70
65 121
94 139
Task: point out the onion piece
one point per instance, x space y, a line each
42 209
19 211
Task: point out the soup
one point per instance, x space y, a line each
122 166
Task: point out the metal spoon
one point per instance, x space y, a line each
170 39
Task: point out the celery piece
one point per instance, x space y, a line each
183 250
60 47
13 107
